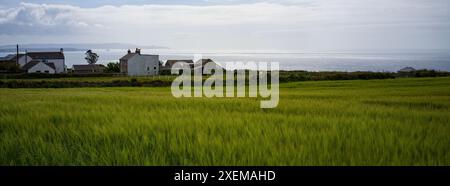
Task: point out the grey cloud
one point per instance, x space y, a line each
40 19
295 24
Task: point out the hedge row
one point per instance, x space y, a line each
289 76
72 84
285 76
63 75
316 76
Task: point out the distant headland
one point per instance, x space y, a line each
74 46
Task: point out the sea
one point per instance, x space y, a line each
292 60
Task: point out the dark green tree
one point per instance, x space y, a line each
91 57
112 67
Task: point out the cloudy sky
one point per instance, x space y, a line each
304 25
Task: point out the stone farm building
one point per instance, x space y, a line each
88 69
166 69
169 63
198 64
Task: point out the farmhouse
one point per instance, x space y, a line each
57 58
50 62
137 64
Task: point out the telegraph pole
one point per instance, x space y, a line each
17 54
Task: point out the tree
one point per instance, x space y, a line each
112 67
91 57
11 67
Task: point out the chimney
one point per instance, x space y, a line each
138 51
129 51
61 50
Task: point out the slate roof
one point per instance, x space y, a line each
202 62
128 56
46 55
34 62
169 63
52 65
407 69
30 64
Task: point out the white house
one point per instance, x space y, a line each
39 67
57 58
137 64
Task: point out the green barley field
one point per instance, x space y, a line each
359 122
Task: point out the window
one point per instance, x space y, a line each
38 71
148 68
46 71
154 68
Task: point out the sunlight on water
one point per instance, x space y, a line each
310 61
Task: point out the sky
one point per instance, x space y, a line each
301 25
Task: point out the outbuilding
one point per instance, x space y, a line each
39 67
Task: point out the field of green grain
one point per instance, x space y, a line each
359 122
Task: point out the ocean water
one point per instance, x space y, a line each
310 61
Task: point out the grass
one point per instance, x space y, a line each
358 122
96 79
